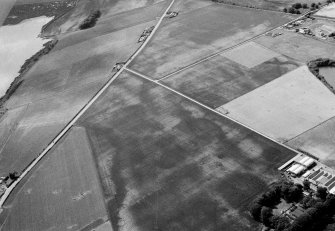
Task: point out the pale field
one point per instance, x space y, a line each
285 107
298 46
5 7
319 141
63 192
328 11
250 54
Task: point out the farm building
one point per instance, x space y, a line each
296 169
307 161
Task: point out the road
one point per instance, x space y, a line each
83 110
208 108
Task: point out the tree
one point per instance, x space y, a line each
306 184
255 211
266 214
292 193
321 192
13 175
308 202
282 224
291 10
297 5
285 10
305 6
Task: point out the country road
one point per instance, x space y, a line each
83 110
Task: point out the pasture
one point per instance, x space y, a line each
285 107
165 163
63 193
199 33
220 80
318 141
297 46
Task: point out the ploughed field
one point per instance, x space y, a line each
201 32
168 163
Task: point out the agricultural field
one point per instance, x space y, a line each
285 107
220 80
297 46
319 141
328 12
200 33
166 163
63 193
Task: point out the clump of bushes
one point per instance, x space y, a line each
314 67
90 21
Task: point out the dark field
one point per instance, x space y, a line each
220 80
168 164
202 32
63 193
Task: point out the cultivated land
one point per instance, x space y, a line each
63 193
202 32
298 46
165 162
219 80
285 107
320 141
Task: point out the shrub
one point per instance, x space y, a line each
90 21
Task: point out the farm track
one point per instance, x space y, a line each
64 131
82 111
